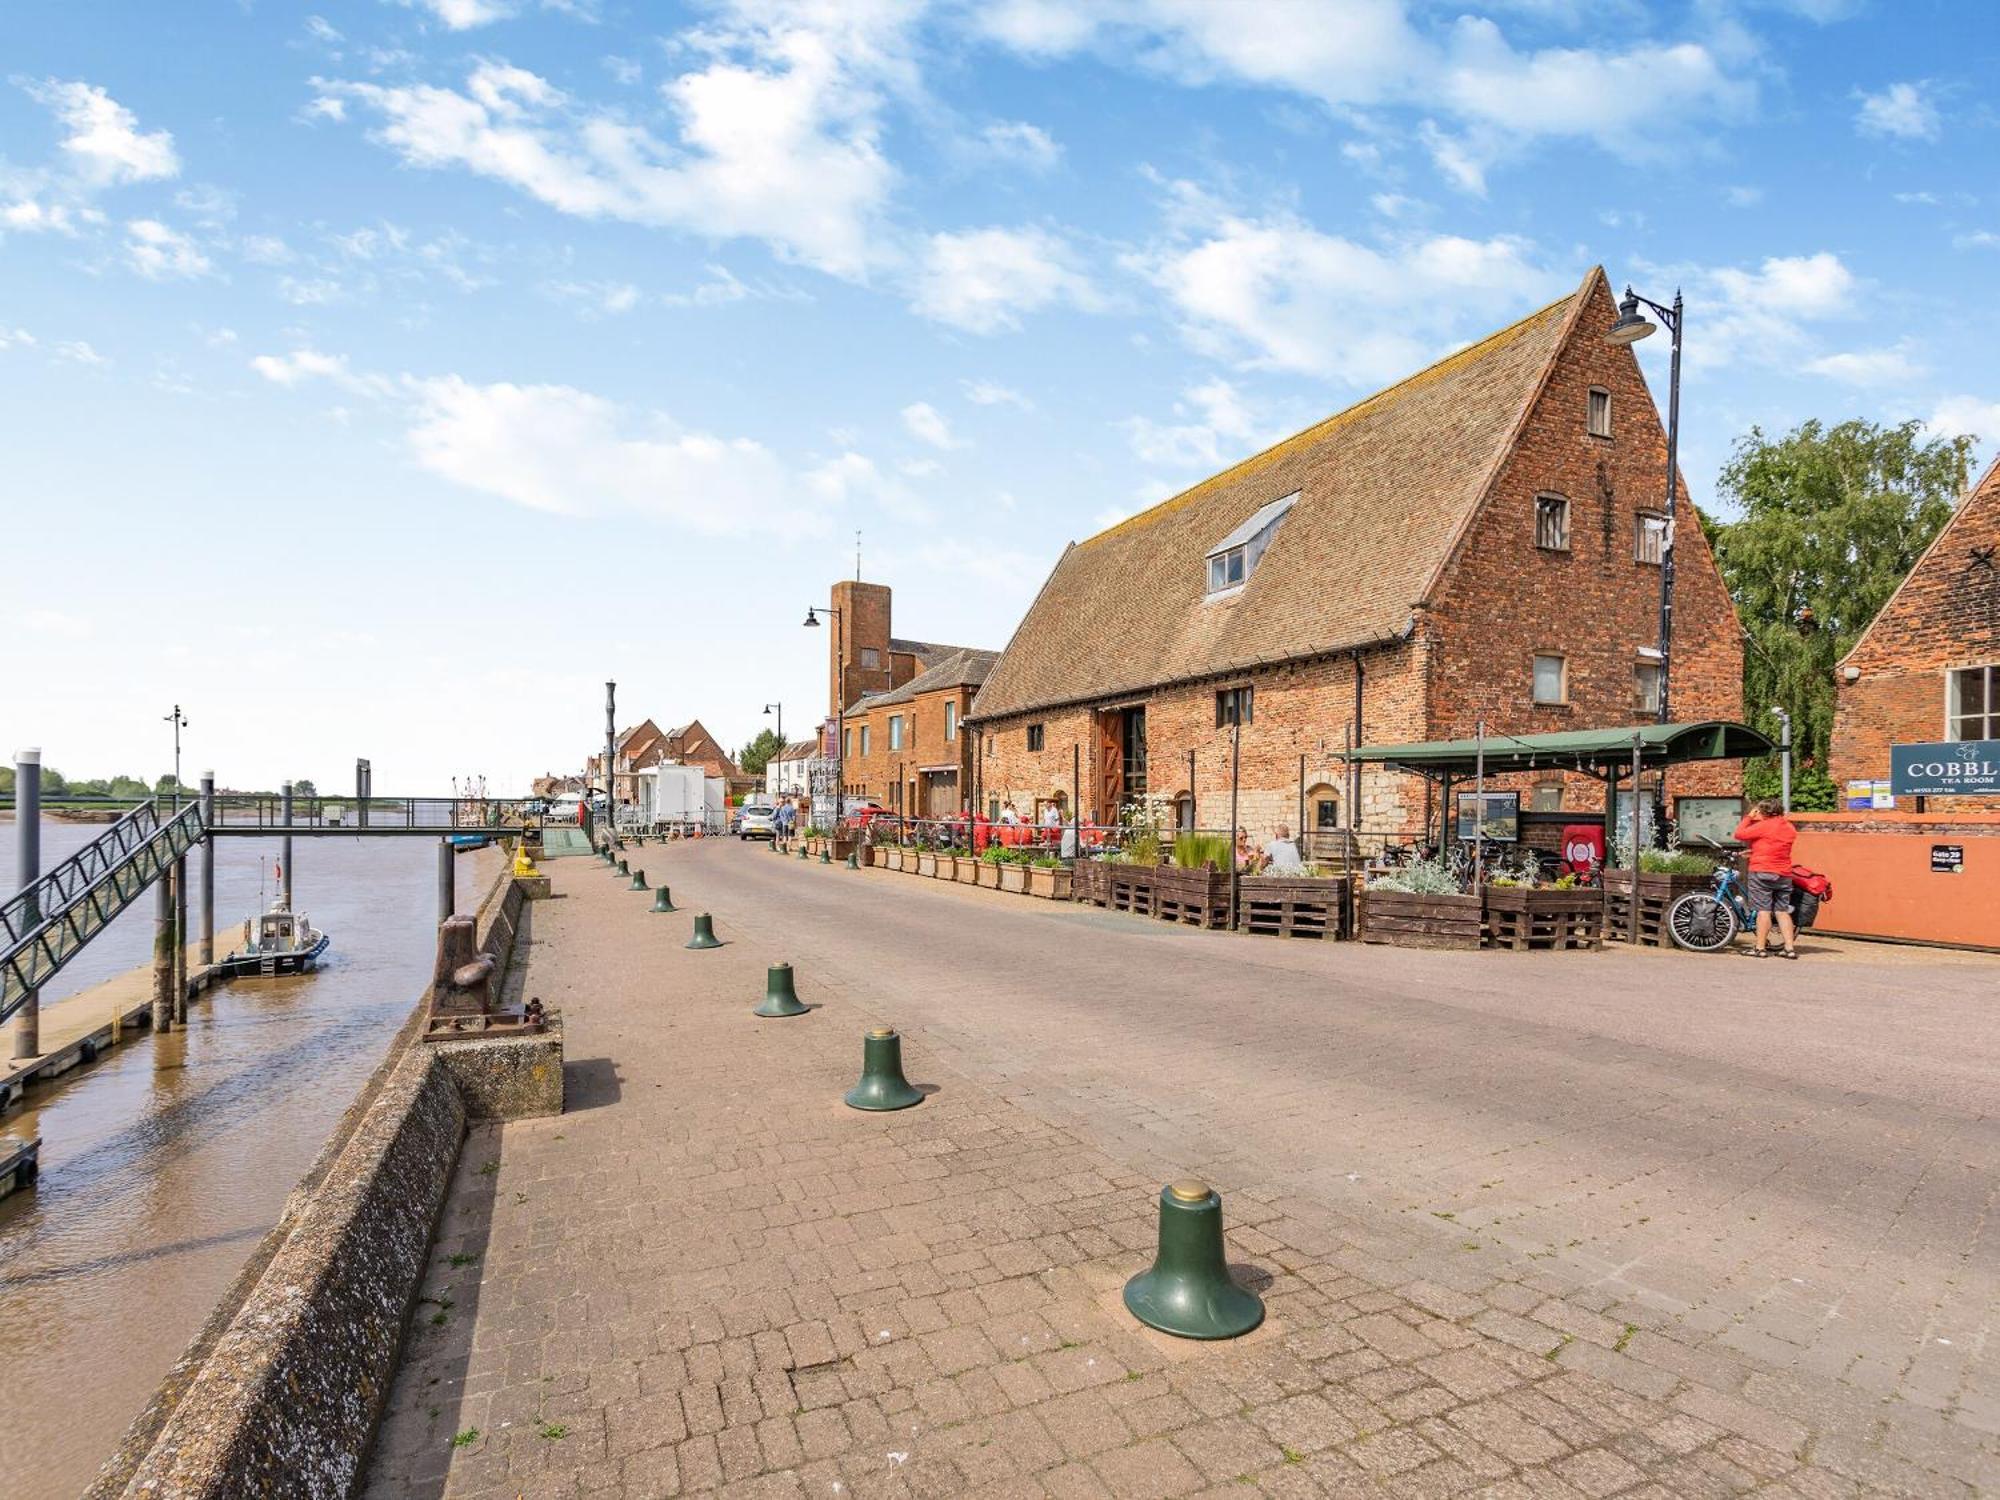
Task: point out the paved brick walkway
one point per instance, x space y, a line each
1526 1224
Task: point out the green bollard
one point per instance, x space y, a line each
704 933
639 839
882 1084
802 849
854 859
662 901
620 869
1188 1292
825 856
638 882
780 999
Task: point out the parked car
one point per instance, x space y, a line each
756 820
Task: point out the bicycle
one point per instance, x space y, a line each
1708 921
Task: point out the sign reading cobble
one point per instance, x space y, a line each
1950 768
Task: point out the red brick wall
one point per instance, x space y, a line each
875 774
1946 615
1298 709
1504 600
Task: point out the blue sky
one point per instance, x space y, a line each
378 378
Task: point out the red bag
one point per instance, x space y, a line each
1812 883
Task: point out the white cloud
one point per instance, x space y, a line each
1276 293
992 393
985 280
928 424
310 291
10 337
322 30
1762 315
1981 239
1021 144
463 15
303 365
160 254
77 352
1483 99
598 299
104 139
853 479
265 250
55 623
1220 428
1902 110
559 449
778 139
30 217
1742 195
1959 415
1867 367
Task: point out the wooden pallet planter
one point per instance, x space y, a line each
1413 921
1194 898
1088 883
1130 888
1295 906
1656 894
1521 919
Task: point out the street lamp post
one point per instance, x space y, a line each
1633 325
839 704
779 752
179 721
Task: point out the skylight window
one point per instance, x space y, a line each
1234 558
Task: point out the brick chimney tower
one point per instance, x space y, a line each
864 640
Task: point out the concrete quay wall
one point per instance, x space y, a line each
282 1390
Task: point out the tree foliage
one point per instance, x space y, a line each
1831 519
753 757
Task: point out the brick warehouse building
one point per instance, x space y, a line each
900 703
1927 668
1481 539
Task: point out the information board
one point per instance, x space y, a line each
1948 768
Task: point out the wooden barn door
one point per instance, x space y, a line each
1110 765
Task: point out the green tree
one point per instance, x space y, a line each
303 787
164 787
1831 519
753 757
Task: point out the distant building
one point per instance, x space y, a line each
906 747
785 773
1480 541
1927 668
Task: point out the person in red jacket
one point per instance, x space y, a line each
1769 834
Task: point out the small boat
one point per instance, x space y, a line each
281 941
464 841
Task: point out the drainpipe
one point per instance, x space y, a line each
1354 767
1784 757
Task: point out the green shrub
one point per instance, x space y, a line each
1193 851
1675 862
1426 877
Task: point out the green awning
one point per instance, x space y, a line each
1596 751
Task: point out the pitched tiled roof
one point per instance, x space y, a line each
964 667
1384 489
927 653
1982 497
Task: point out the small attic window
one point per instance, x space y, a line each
1234 558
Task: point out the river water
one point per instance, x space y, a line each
165 1162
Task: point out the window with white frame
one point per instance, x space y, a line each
865 738
1232 560
950 722
1650 540
1552 523
895 731
1597 422
1972 709
1551 680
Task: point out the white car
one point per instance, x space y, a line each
756 820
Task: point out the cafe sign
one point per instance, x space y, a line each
1951 768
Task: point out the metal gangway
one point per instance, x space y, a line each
47 923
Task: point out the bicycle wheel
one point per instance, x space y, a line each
1702 924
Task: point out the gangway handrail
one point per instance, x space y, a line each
37 939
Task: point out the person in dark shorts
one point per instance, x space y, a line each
1769 835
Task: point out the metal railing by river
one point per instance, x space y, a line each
165 1163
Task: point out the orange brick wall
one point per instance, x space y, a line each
1946 615
864 622
875 774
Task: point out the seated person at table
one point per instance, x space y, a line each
1281 855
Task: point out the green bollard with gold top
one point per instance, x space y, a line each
780 999
882 1084
1188 1291
704 933
662 900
